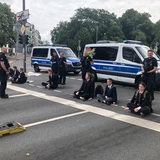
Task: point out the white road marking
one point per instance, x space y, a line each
156 114
54 119
72 78
141 122
31 85
57 91
19 95
39 86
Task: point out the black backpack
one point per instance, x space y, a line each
99 90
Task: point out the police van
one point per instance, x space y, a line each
41 57
121 61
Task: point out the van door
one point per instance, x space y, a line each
105 61
39 56
130 65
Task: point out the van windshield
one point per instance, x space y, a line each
67 52
143 51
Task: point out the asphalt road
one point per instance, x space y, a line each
75 130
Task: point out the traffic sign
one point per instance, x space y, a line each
22 15
23 29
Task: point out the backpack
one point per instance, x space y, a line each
99 90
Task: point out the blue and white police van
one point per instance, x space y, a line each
41 57
121 61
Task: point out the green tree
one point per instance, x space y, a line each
7 21
87 26
137 26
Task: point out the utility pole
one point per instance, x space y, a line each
24 44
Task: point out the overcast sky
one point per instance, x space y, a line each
46 14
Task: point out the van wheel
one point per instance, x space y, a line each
36 68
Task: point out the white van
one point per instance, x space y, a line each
121 61
41 57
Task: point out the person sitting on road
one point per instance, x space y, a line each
52 83
11 73
141 102
15 74
86 91
110 95
22 77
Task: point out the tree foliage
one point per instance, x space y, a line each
7 20
137 26
88 24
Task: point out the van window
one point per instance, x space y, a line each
106 53
144 52
40 52
67 52
52 50
130 55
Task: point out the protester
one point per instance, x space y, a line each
15 74
110 95
86 62
141 102
22 77
86 92
52 83
62 69
149 68
4 71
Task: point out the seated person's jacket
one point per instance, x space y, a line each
53 80
88 88
22 77
111 93
16 74
142 101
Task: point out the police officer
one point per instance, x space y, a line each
4 71
62 69
149 68
55 60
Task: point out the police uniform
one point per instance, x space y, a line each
62 70
3 75
149 78
54 67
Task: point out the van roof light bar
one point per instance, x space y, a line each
56 45
106 41
132 42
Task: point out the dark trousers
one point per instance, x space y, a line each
62 75
102 99
55 69
21 80
149 80
83 74
81 94
145 110
3 85
51 86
